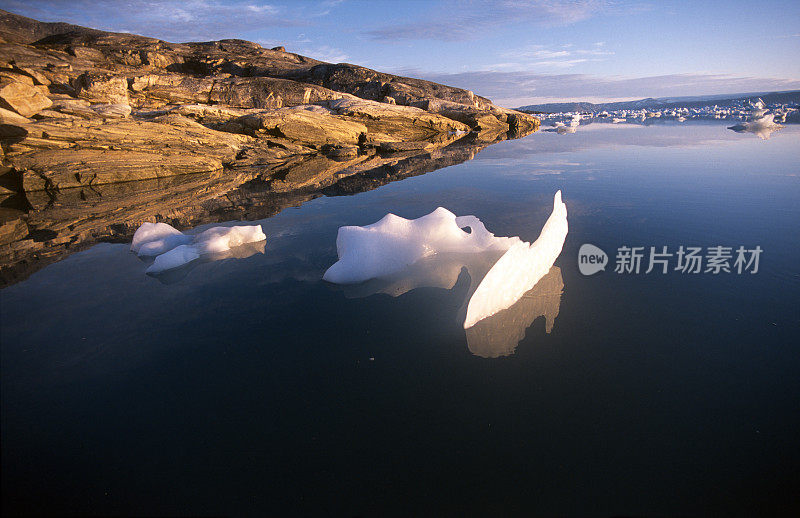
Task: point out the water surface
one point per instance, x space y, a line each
250 386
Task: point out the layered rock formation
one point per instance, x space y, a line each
102 131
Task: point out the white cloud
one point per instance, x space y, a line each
458 21
537 57
269 9
323 53
514 89
171 20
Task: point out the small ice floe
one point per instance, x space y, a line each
561 128
762 127
431 250
173 249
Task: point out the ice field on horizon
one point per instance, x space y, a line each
752 116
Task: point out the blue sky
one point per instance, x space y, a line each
512 51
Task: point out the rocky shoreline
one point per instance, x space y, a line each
102 131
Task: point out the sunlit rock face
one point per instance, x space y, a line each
500 334
83 107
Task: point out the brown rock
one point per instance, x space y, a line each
12 230
158 59
393 123
76 107
112 111
12 118
86 53
14 76
38 77
305 126
24 99
65 168
105 88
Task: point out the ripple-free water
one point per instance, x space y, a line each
250 386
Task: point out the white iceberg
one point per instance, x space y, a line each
173 249
175 258
393 244
520 268
152 239
762 127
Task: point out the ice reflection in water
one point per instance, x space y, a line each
174 275
762 127
436 271
499 334
492 337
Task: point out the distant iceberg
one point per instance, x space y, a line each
431 250
762 127
172 249
562 129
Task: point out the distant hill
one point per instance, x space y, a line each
789 97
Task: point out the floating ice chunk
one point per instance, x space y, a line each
221 239
520 268
173 249
178 273
175 258
387 250
762 127
393 243
154 235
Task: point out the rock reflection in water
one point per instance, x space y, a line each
42 227
499 334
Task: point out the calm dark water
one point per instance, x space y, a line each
250 387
